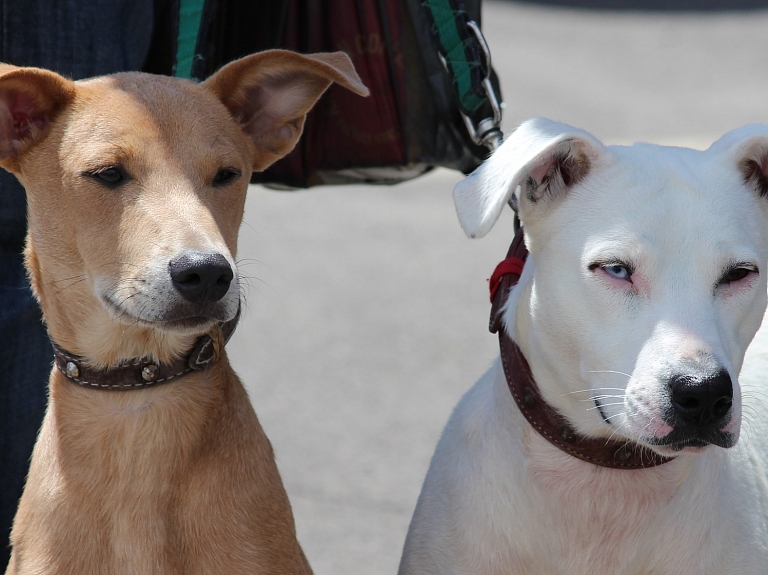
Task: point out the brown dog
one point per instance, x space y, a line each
136 186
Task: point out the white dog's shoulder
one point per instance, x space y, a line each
471 465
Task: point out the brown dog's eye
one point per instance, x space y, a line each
225 176
110 177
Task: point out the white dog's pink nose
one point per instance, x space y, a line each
701 402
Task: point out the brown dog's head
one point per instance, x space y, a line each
136 186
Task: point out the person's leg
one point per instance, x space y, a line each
78 40
25 359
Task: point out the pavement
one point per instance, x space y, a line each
367 306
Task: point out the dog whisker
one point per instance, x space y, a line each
247 224
646 426
593 390
247 281
610 371
74 283
614 431
54 282
249 262
753 420
600 397
244 302
604 405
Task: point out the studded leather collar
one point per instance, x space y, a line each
545 419
142 373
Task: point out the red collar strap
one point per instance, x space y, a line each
543 417
505 277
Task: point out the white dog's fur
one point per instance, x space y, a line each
689 230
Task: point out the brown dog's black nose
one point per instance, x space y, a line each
201 277
702 401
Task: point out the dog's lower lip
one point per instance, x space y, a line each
183 322
695 443
677 441
673 449
187 322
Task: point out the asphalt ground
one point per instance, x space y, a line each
367 306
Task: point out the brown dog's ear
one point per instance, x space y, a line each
29 100
270 93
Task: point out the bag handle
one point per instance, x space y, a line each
188 44
467 59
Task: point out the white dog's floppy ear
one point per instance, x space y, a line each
543 158
748 148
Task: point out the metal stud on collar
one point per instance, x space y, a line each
529 398
567 434
623 453
72 370
150 372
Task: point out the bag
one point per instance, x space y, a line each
427 67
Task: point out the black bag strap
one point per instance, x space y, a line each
467 59
180 38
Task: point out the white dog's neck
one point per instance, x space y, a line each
598 512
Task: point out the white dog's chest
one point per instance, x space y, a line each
588 520
595 528
597 519
544 512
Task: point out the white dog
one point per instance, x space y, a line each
645 284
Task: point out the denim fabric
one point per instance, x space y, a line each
25 363
79 40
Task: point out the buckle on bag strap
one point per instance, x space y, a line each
466 57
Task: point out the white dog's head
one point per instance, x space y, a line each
646 281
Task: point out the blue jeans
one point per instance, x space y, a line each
79 40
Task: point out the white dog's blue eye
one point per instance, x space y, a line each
617 271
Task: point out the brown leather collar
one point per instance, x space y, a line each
141 373
542 416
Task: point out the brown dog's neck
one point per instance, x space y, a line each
102 435
103 345
144 372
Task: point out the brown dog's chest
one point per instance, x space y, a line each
184 482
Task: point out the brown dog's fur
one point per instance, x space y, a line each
179 478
